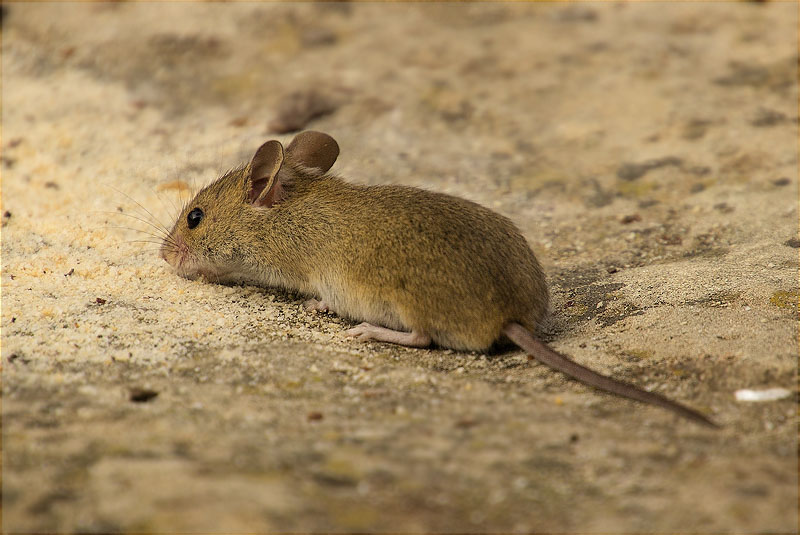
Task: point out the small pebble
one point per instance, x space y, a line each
770 394
142 395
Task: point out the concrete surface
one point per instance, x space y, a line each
647 151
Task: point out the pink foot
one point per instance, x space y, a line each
367 331
315 304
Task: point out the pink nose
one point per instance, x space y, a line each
173 250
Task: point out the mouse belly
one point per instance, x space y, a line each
356 305
400 319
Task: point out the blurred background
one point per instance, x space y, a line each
506 98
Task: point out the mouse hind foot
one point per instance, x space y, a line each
368 331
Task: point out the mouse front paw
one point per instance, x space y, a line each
316 305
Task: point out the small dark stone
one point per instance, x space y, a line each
314 416
723 207
16 357
632 171
697 188
783 181
318 37
466 423
792 242
100 301
611 269
70 272
632 218
573 438
699 170
695 129
142 395
766 117
297 109
52 185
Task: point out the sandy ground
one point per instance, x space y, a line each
648 152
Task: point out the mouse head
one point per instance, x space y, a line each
216 232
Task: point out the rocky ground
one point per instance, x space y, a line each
647 151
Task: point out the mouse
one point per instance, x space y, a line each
411 266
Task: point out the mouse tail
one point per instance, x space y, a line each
541 352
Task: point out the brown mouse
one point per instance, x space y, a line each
414 266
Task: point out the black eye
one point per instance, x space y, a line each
194 217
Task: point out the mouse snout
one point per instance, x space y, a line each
173 248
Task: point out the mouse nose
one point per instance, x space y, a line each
173 250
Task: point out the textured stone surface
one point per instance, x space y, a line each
648 152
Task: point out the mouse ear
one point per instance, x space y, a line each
263 187
313 149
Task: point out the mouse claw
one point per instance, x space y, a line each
316 305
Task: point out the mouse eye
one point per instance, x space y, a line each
194 217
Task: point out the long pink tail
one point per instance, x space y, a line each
541 352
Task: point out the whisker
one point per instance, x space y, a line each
157 236
161 241
137 218
140 206
160 197
143 241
